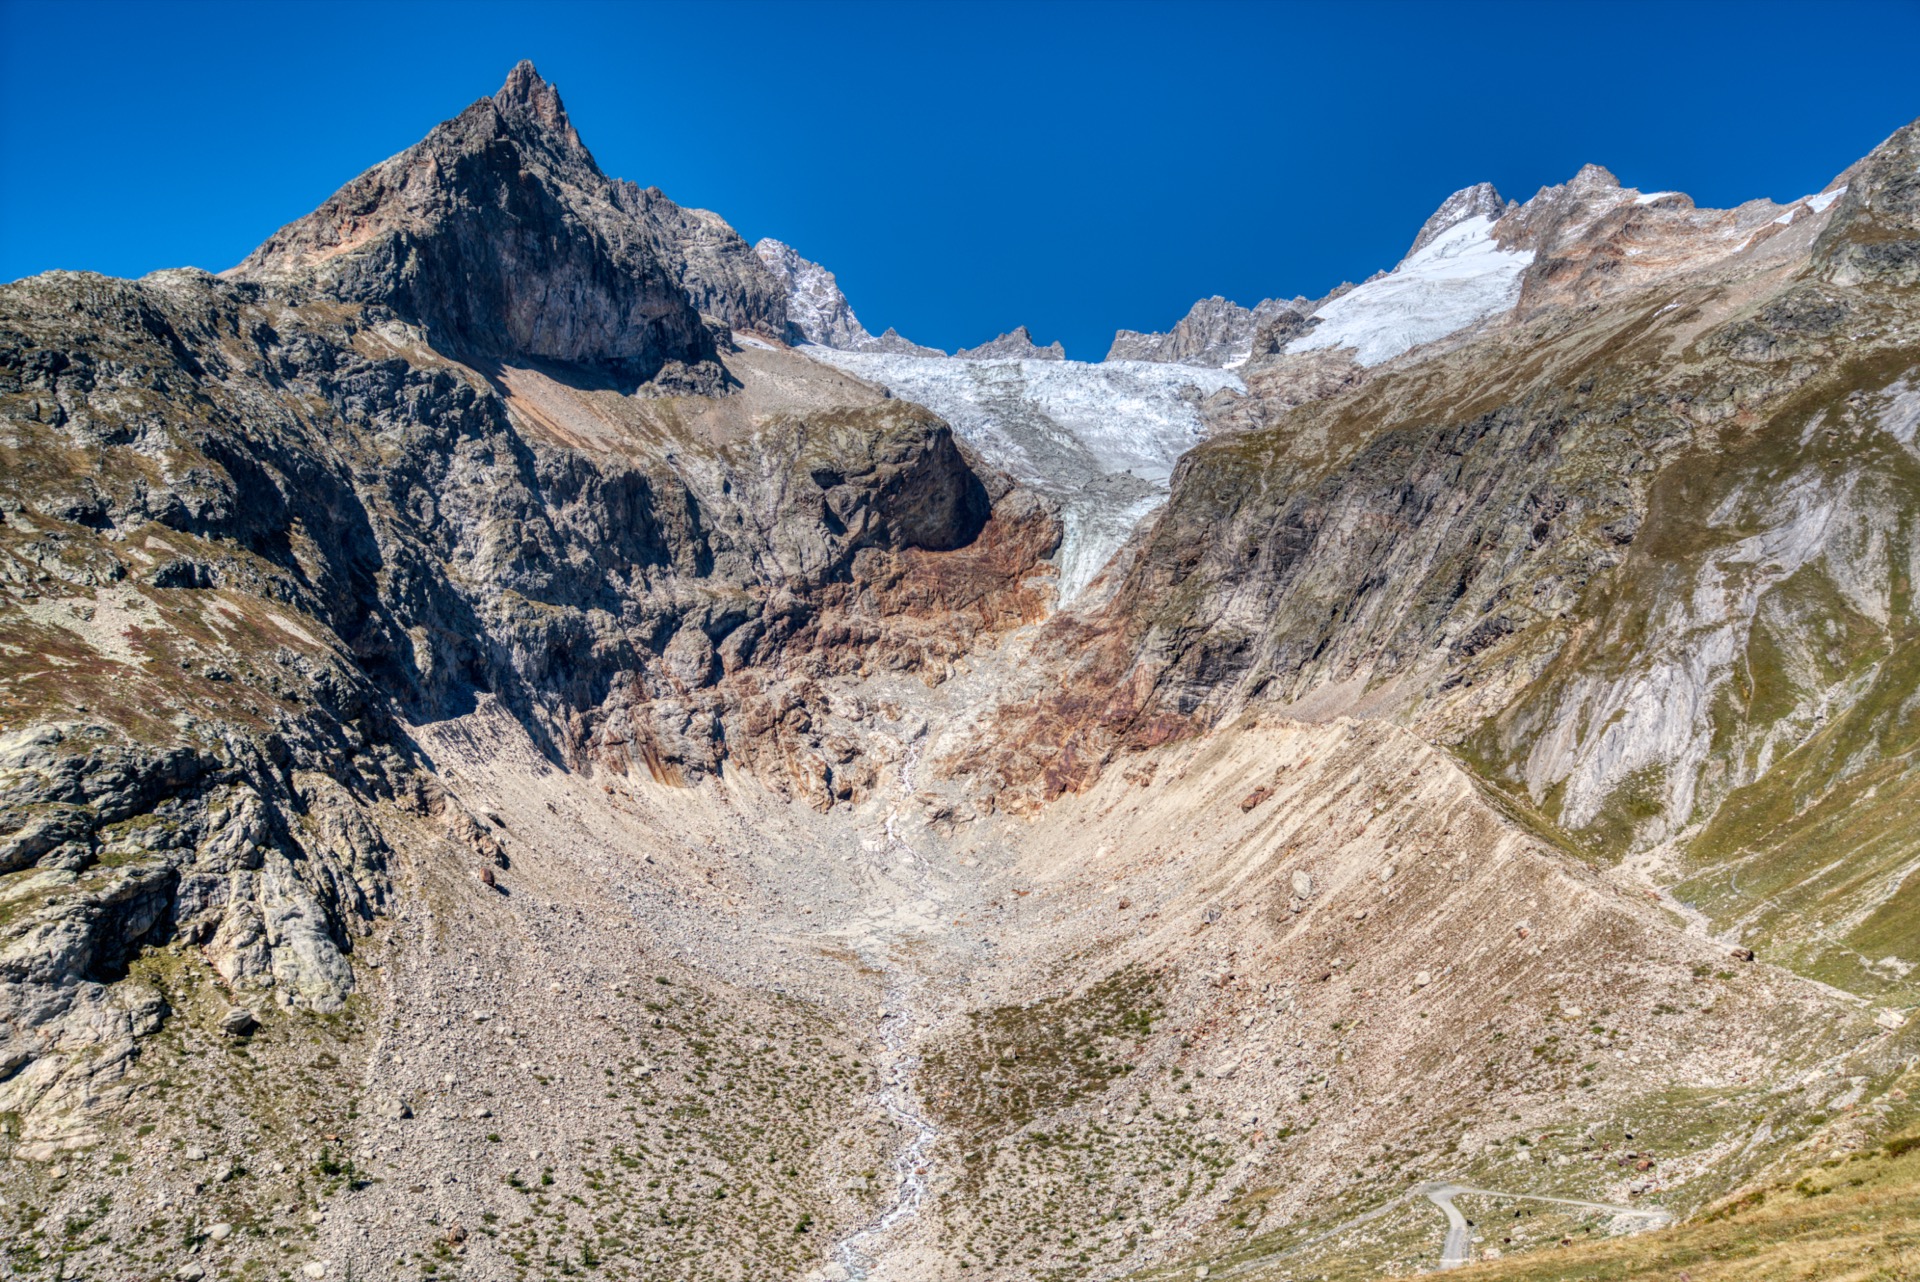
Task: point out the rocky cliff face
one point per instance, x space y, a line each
818 313
1871 233
722 276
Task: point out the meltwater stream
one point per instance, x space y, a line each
909 1164
897 1097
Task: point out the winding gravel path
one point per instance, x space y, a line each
1458 1247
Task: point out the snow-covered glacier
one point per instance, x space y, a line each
1101 438
1457 279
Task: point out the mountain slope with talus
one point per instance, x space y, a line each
533 744
1646 569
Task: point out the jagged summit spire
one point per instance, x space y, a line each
500 235
527 97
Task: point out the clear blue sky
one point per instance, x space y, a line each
963 167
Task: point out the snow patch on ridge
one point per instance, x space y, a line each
1818 204
1102 438
1459 278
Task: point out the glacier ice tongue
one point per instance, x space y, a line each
1101 438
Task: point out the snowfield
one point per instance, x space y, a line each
1102 438
1461 277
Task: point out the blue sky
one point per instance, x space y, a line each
963 167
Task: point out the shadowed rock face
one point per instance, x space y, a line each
500 234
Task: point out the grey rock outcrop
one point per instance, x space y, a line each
191 842
723 277
1874 232
1273 334
1015 346
894 343
1214 332
818 313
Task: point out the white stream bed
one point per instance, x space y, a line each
909 1164
898 1022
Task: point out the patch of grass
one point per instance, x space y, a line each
1016 1062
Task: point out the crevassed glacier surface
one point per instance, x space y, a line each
1102 438
1460 277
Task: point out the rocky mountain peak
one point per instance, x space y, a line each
817 312
1017 346
1215 331
500 234
1562 212
1594 178
893 342
1479 200
525 96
